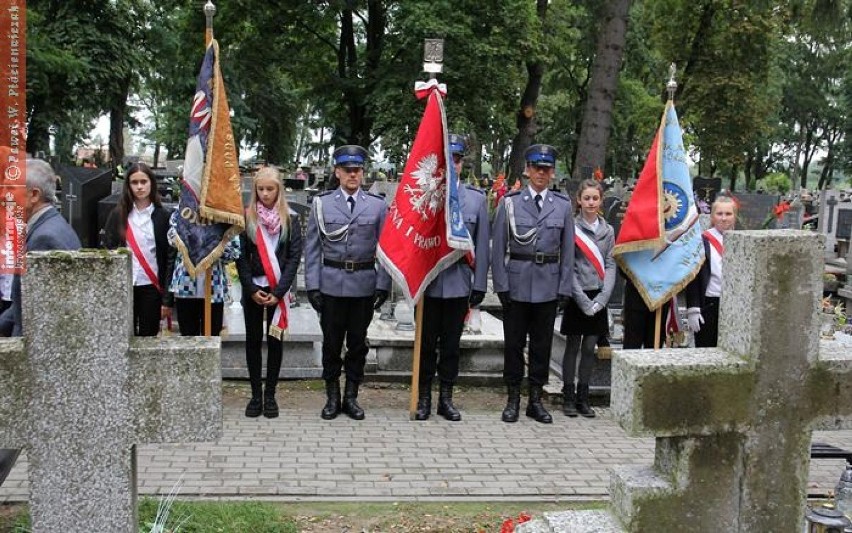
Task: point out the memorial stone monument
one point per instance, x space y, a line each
732 424
78 392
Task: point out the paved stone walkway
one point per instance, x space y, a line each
386 457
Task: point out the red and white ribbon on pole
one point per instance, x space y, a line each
422 89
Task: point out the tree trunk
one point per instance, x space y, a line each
38 131
749 164
734 172
809 149
597 116
474 154
526 114
116 125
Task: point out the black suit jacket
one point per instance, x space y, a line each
288 254
698 286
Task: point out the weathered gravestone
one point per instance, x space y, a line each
754 209
827 224
732 425
78 392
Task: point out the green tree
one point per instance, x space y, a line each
597 115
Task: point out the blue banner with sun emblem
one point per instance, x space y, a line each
660 268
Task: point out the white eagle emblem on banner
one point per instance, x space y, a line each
428 197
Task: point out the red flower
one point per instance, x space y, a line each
781 208
508 526
598 174
524 517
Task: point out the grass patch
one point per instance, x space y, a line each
315 517
197 517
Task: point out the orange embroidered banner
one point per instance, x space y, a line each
13 144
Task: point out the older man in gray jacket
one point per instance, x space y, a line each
447 300
46 230
532 265
343 281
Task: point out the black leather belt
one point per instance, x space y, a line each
349 266
538 258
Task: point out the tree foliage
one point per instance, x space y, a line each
763 86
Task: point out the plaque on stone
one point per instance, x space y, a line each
844 224
754 209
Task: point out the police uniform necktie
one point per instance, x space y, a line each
351 202
538 202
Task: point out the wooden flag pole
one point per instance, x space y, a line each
657 327
209 11
208 296
415 362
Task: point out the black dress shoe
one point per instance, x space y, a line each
254 408
270 407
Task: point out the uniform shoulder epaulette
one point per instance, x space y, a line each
472 188
512 193
326 193
560 195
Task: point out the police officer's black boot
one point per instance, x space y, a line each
535 409
568 401
424 402
583 401
350 401
513 405
332 404
445 403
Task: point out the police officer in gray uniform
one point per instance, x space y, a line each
343 281
532 264
448 298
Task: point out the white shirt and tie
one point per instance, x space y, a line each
538 197
143 229
350 200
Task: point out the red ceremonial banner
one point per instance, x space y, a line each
413 245
13 144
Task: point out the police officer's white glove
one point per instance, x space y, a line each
693 316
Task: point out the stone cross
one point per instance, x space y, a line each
78 392
831 202
732 424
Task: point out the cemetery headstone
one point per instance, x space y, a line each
82 189
78 392
754 208
793 218
827 224
706 189
844 222
733 424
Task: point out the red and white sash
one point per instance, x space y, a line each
272 270
590 250
715 243
137 253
